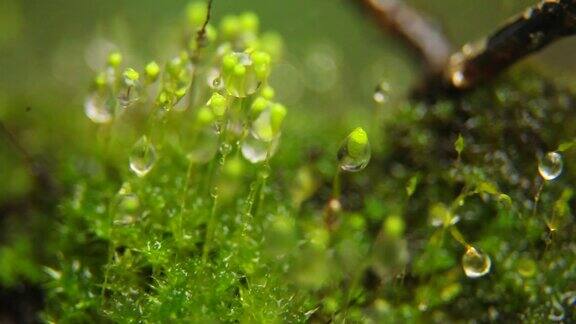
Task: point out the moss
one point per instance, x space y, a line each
219 238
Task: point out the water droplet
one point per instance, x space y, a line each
143 157
262 127
98 108
475 263
255 150
214 80
183 102
550 165
204 147
353 158
382 93
128 97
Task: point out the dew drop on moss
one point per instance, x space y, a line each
255 150
475 263
128 97
143 157
353 157
550 165
98 108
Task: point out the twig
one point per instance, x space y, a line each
195 55
201 34
416 31
475 63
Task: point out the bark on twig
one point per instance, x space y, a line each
475 63
416 31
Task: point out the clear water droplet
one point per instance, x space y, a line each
128 97
214 80
204 148
183 103
382 93
550 165
262 127
475 263
353 162
99 109
143 157
255 150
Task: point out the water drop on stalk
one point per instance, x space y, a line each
204 148
214 80
255 150
354 154
143 157
129 94
475 263
550 165
99 108
182 99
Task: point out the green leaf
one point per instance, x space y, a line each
565 146
459 144
412 184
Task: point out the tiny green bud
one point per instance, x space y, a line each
205 116
131 75
258 106
277 114
211 33
229 62
115 59
181 92
239 70
268 92
357 142
218 104
249 22
230 27
196 13
261 62
394 226
152 71
354 154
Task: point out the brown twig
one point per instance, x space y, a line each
201 34
416 31
475 63
195 55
